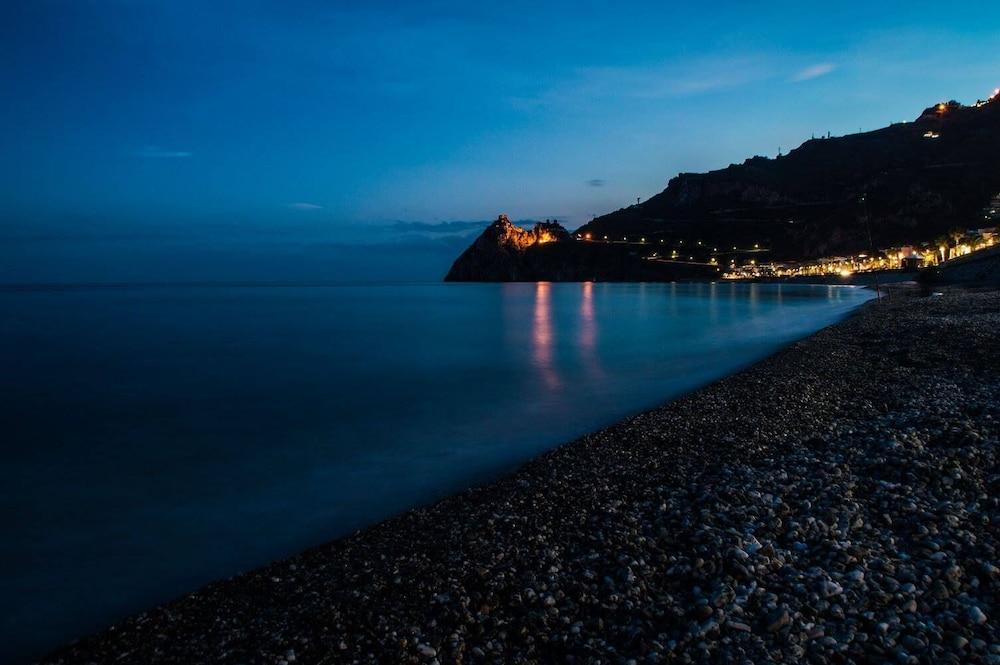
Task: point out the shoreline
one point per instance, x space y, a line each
633 542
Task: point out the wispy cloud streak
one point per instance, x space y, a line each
439 227
814 72
669 80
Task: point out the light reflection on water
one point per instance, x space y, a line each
541 336
588 324
157 438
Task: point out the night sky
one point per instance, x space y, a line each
240 140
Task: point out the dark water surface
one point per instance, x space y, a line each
158 437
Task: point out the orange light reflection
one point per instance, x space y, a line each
541 335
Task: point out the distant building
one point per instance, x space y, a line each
910 258
940 110
992 211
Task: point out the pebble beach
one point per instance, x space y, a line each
837 502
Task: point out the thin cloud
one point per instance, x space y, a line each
814 72
156 152
440 227
596 182
670 80
302 205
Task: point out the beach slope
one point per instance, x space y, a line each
836 502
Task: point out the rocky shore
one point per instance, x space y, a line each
838 502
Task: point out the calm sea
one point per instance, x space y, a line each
158 437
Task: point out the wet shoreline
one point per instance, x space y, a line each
835 500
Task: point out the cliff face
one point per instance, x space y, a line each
918 180
501 252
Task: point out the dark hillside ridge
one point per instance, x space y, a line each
906 183
919 179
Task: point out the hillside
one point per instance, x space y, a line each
903 184
920 179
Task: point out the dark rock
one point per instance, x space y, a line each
776 619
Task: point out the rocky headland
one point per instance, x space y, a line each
505 252
837 502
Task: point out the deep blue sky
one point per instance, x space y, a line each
246 121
